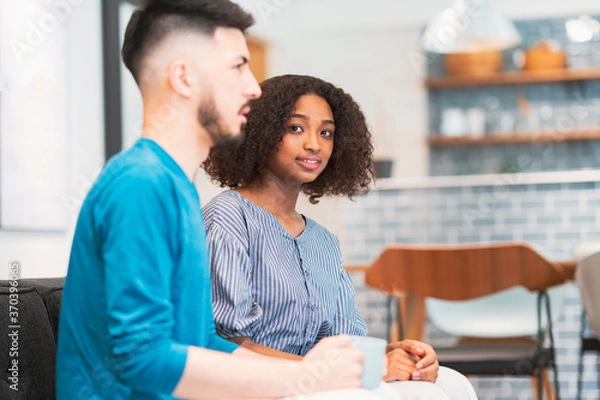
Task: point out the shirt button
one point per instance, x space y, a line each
313 307
308 344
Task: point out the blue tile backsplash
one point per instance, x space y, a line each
553 218
555 107
532 157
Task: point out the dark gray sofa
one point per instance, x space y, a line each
38 307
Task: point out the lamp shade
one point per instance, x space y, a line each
469 26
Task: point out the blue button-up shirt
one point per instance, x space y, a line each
282 292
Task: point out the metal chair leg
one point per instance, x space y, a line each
598 369
552 361
580 367
540 349
540 384
390 299
556 385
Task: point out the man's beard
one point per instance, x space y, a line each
212 121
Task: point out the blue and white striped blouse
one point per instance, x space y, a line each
282 292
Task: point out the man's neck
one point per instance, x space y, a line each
173 125
188 150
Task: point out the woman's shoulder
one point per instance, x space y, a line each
225 209
316 230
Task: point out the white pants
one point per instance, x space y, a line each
450 385
344 394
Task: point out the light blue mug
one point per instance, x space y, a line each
374 352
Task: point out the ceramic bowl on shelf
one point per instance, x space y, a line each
454 122
476 119
545 54
474 64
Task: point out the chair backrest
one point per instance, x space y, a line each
587 277
506 314
461 272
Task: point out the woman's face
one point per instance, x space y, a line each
307 145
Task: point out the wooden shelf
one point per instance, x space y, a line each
517 137
508 78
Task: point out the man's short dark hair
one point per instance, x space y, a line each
158 18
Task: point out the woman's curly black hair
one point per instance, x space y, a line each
350 168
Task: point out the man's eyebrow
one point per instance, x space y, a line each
302 116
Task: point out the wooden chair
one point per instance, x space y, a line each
588 280
466 272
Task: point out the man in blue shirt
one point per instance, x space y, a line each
136 319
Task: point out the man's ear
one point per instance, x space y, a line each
180 78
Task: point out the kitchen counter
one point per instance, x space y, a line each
524 178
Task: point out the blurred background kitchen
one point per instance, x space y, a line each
475 142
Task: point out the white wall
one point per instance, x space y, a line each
46 254
375 66
298 15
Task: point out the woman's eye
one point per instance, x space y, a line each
328 134
295 128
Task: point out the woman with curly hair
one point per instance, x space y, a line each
279 285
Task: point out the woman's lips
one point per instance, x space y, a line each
309 163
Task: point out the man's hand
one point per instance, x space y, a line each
411 359
334 363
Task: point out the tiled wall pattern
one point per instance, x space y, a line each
553 218
555 107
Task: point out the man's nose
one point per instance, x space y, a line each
252 89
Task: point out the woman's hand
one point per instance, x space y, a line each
400 365
411 359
